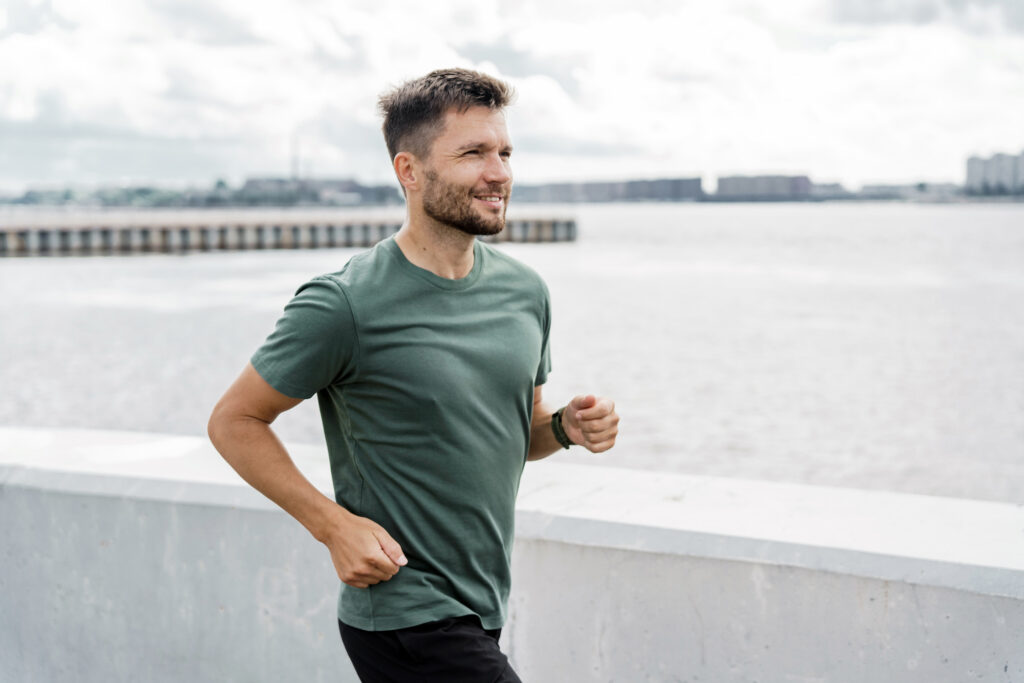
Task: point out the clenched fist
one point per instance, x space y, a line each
591 422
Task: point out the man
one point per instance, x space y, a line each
427 354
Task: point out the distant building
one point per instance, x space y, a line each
764 187
330 192
662 190
921 192
830 191
998 175
1001 173
975 175
938 192
887 191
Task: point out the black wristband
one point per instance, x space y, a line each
556 428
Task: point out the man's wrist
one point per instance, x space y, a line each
559 430
331 521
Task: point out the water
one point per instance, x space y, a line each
873 346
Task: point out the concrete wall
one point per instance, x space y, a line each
141 557
594 614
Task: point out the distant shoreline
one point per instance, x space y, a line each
10 210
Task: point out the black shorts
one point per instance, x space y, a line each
457 650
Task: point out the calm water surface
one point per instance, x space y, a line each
873 346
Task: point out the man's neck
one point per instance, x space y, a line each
439 248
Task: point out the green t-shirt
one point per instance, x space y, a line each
425 388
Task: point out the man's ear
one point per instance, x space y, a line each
407 170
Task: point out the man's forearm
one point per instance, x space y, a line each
250 446
542 439
362 551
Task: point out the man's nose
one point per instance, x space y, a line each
498 169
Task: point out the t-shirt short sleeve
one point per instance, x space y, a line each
314 344
545 352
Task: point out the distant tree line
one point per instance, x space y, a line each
254 192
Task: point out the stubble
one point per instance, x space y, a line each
452 205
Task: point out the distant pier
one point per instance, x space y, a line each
181 231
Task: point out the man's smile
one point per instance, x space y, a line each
492 201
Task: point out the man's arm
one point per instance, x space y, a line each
589 421
362 551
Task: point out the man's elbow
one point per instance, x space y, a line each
213 428
230 423
216 426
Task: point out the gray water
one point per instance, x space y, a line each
872 346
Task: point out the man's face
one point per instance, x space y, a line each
468 175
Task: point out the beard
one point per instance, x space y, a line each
452 205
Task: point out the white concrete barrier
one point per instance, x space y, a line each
142 557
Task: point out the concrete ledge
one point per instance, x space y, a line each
967 545
139 553
963 544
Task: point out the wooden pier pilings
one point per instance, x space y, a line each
106 233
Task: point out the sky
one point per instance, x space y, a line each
183 92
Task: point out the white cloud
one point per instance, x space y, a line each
607 90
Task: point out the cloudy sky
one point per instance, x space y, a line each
188 91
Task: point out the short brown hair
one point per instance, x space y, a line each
414 111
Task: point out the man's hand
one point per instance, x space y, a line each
362 551
591 422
